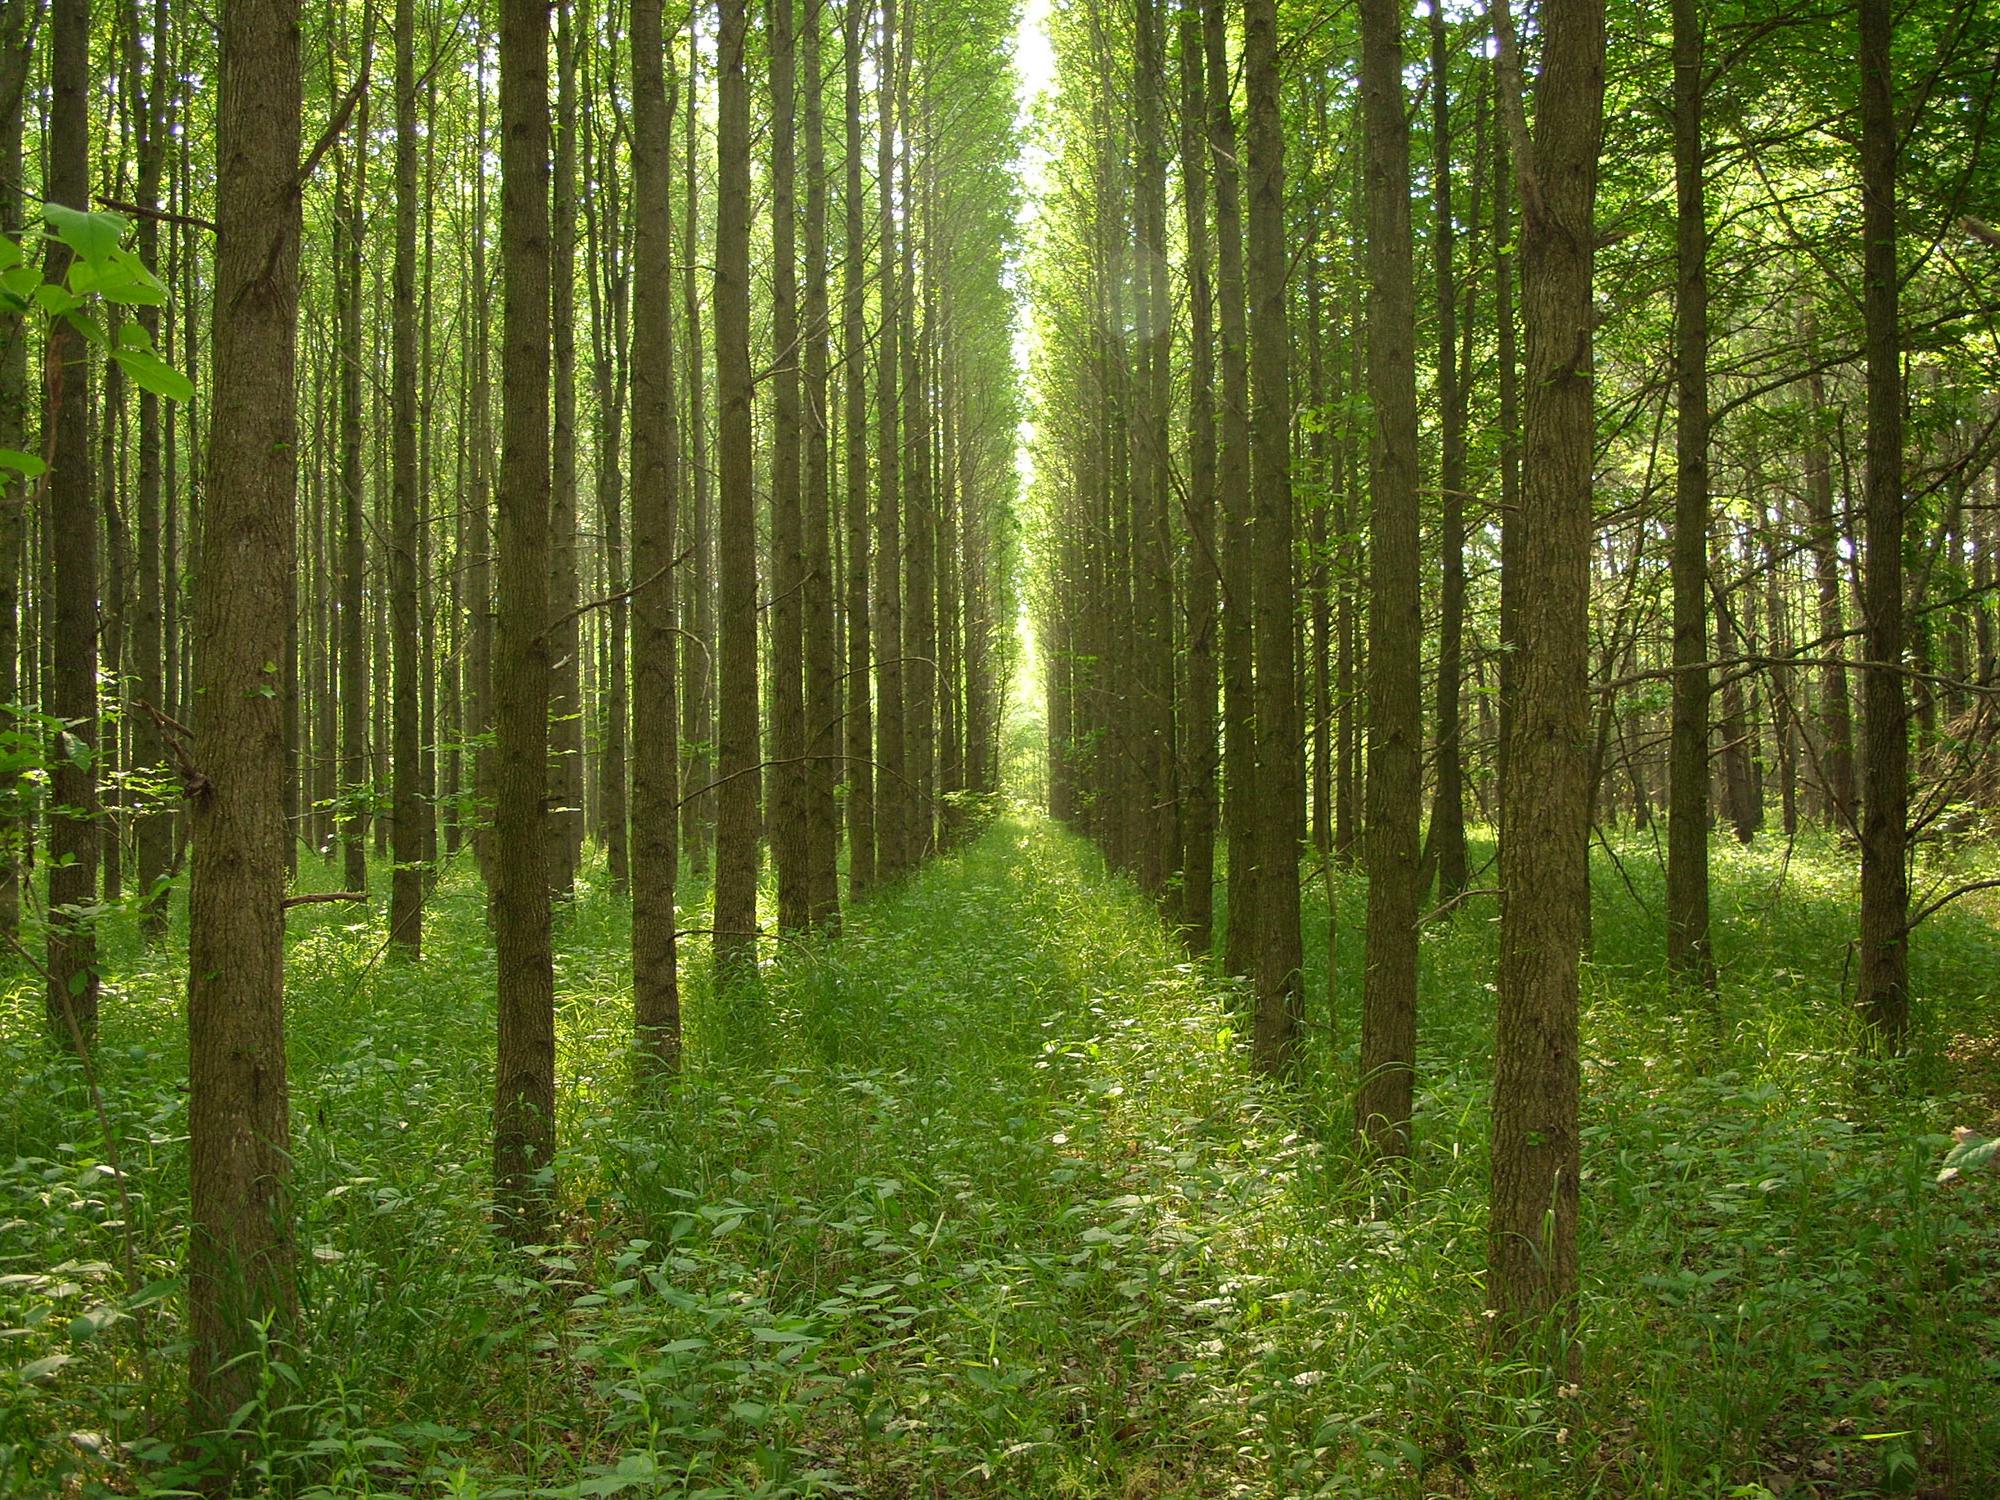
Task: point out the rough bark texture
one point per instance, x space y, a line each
821 646
15 61
1198 784
71 694
1544 819
892 803
736 518
565 796
1395 619
1883 992
1232 482
240 1251
524 1125
1279 816
656 1009
406 888
1689 957
788 708
859 722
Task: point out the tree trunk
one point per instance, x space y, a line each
1279 817
1199 684
71 694
565 810
1232 482
860 738
1446 844
1689 958
789 838
736 519
240 1252
1395 619
524 1134
822 747
1883 997
406 887
1545 811
892 807
656 1007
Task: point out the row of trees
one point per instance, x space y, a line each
1490 434
729 568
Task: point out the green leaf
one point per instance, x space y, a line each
92 235
154 374
25 464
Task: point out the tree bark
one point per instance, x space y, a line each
736 519
1689 957
406 887
524 1133
656 1010
73 816
1883 994
1395 620
1545 811
240 1250
789 838
860 738
1279 817
822 686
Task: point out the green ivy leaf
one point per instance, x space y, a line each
25 464
154 374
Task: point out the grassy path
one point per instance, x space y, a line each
981 1200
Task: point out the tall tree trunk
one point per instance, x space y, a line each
1446 843
565 814
71 694
698 644
406 887
1395 620
892 807
1689 957
349 227
789 837
1836 756
1152 540
1279 817
736 518
822 747
152 824
860 738
524 1135
1545 809
240 1250
1883 995
1232 482
1199 685
656 1006
16 59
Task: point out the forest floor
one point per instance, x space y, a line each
984 1199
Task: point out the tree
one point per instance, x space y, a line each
737 792
1545 798
72 542
240 1247
1395 624
1689 957
892 805
860 739
1279 816
525 1073
1883 989
789 835
406 889
655 770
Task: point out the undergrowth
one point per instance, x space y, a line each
982 1199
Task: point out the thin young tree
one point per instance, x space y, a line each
789 838
822 671
860 738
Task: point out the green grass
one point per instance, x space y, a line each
982 1199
